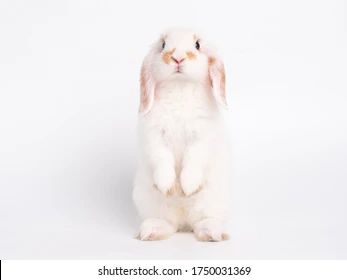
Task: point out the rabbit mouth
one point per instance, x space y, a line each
178 70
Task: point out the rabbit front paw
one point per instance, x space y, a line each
191 180
164 178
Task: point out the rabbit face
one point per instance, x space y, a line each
178 55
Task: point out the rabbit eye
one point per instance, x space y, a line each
163 45
197 45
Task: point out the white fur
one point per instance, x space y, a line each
183 146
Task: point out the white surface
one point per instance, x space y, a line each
68 107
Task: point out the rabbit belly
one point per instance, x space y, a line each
181 211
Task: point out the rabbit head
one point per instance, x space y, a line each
181 54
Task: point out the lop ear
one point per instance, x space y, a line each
147 87
217 80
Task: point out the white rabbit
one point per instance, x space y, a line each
182 177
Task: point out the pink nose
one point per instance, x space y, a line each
178 61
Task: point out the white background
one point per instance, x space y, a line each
68 109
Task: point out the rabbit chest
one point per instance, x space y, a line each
182 113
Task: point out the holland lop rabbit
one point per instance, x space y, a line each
182 183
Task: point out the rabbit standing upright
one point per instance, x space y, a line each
182 177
